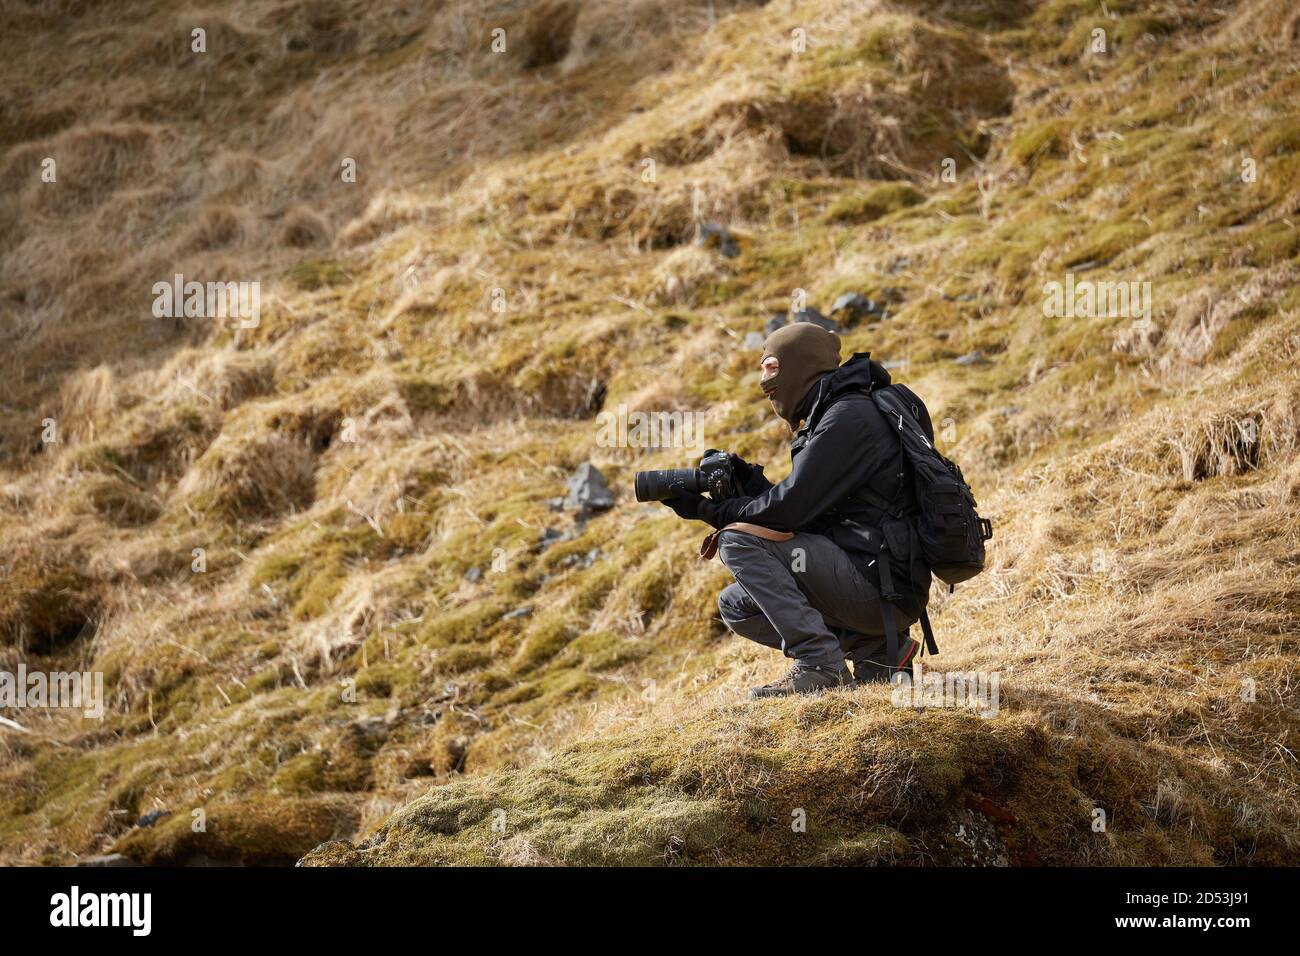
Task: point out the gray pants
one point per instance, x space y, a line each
803 597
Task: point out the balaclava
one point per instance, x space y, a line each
806 353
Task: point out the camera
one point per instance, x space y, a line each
715 475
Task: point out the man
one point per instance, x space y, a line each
816 595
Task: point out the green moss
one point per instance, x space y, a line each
544 640
309 574
863 207
462 657
1044 141
1107 242
318 274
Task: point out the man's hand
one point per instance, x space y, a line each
687 505
749 478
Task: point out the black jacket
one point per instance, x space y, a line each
845 445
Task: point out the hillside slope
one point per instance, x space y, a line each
385 653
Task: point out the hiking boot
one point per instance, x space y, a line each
804 680
868 671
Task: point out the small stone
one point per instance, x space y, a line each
973 358
152 817
715 236
588 491
855 306
893 364
550 536
110 859
753 340
474 575
517 613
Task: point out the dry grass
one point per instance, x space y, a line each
367 473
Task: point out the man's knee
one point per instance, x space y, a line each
734 604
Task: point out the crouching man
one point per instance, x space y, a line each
814 555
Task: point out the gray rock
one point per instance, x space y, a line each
474 575
816 318
111 859
973 358
779 320
582 561
753 340
893 364
588 491
518 612
152 817
550 536
713 235
854 306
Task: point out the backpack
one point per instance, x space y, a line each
946 529
950 530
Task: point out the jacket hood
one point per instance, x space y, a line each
858 374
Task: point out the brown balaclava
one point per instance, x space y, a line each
806 353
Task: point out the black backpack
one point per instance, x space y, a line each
951 532
946 529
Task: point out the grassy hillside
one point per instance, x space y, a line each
369 472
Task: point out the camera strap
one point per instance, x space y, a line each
710 545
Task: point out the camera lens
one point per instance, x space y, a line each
659 485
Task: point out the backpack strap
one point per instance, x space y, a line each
930 645
888 596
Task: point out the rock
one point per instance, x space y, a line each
753 340
777 321
583 561
149 819
474 575
855 306
816 318
110 859
893 364
555 504
518 612
550 536
973 358
373 728
715 236
588 491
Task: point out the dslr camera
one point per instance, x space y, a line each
716 475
